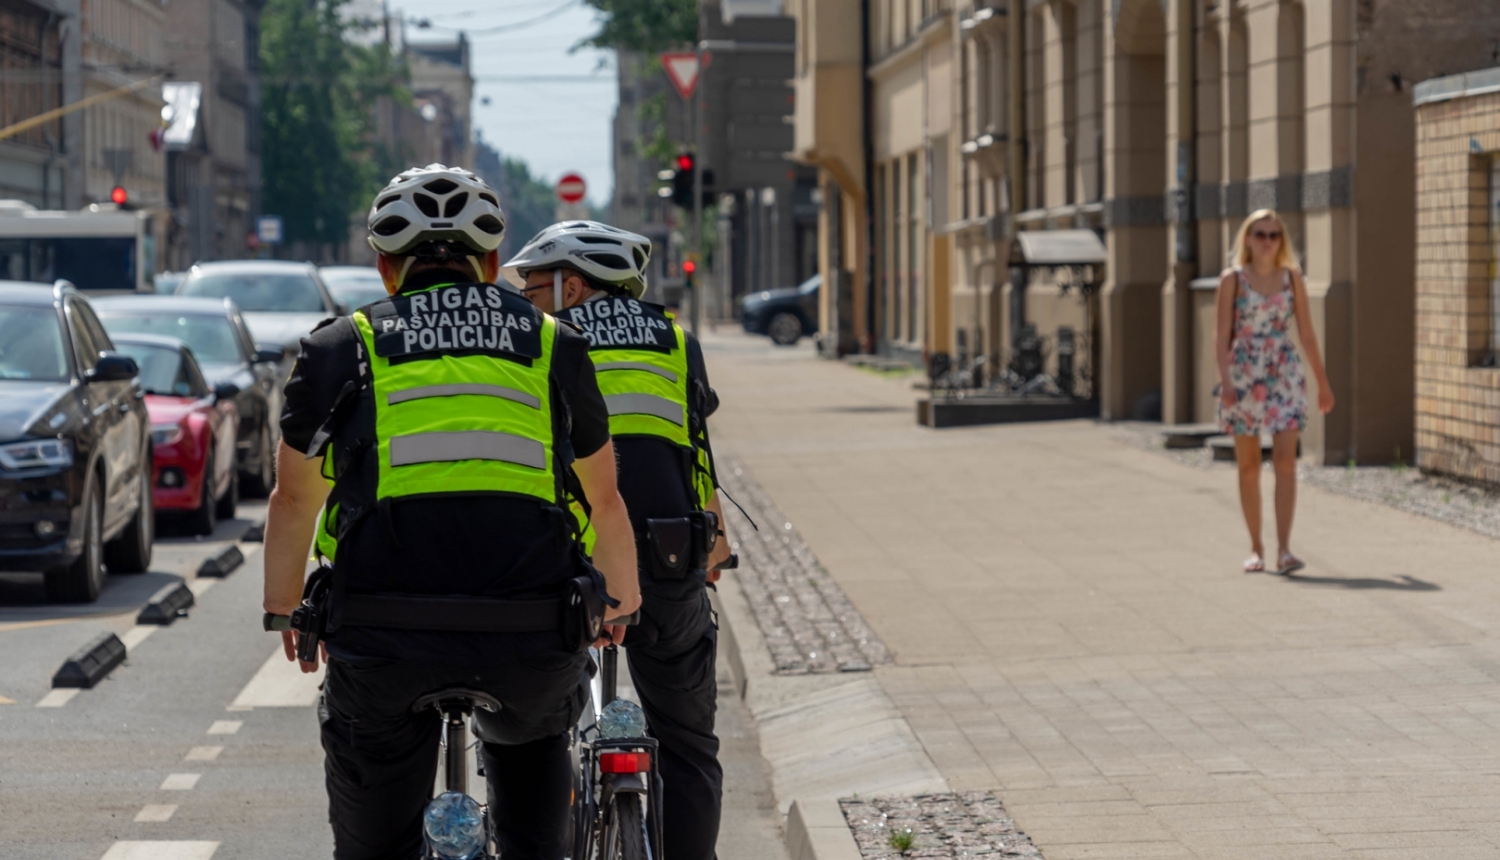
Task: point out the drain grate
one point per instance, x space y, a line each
807 621
947 826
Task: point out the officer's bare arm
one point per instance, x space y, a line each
614 550
291 520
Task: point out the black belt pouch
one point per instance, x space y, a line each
670 548
583 613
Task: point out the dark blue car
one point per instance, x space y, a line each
785 315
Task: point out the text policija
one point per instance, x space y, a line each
456 318
622 322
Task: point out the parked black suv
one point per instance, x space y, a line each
75 445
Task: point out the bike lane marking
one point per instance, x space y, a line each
155 813
161 851
279 683
137 634
203 754
225 727
180 781
57 698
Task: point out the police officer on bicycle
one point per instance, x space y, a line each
429 444
654 382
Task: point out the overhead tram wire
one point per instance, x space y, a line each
424 23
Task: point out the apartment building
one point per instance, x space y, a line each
1155 125
123 41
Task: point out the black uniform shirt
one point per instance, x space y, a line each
482 538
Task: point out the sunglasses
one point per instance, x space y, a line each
1261 234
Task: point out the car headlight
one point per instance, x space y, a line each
165 434
42 453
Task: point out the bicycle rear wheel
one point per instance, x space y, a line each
625 837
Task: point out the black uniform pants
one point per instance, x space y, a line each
382 759
671 656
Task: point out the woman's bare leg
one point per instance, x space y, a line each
1247 455
1284 463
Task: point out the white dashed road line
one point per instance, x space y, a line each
203 754
156 813
180 782
225 727
137 634
161 851
279 683
57 698
200 585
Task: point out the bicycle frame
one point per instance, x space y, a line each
597 789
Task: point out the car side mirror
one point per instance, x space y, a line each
266 355
113 367
226 391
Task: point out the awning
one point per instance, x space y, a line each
1058 248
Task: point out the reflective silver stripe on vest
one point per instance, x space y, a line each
670 376
644 404
467 445
463 388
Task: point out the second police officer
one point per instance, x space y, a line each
448 419
654 383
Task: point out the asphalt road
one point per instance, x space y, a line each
204 744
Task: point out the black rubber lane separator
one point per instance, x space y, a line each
255 534
223 564
91 663
166 605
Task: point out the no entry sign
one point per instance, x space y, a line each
571 188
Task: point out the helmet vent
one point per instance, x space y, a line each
489 224
578 225
441 186
489 198
428 205
455 204
640 258
613 261
387 201
390 226
598 240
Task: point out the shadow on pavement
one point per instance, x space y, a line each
22 597
1400 583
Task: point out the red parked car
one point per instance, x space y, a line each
193 432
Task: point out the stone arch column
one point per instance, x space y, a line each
1135 182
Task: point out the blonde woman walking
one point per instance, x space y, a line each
1262 389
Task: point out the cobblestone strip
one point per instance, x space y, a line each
935 827
807 621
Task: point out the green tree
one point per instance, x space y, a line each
529 202
647 26
320 162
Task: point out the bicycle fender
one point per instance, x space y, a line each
628 783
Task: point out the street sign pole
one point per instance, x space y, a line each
696 320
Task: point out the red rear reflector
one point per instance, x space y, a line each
624 762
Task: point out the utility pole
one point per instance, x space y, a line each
695 321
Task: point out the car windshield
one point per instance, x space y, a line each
211 338
258 291
162 369
31 344
355 287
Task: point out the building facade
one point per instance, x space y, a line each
123 40
32 163
1157 125
1458 275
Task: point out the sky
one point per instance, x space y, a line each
547 106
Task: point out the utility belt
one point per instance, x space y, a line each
671 548
577 614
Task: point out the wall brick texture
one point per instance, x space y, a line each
1458 398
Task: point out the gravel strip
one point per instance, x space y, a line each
940 826
807 621
1425 494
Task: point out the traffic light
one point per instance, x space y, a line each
119 196
682 181
688 268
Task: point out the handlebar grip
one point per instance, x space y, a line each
731 563
625 620
272 623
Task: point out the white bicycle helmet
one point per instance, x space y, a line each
436 204
607 255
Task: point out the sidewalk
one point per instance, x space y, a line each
1070 627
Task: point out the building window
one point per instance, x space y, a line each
913 252
1483 341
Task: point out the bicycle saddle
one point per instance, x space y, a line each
470 699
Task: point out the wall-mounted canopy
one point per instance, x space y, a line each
1058 248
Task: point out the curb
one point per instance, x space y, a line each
88 665
816 830
223 564
166 605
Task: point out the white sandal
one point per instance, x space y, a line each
1289 564
1255 564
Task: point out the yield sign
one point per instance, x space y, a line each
682 70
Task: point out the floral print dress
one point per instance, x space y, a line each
1264 366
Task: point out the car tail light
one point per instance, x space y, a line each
624 762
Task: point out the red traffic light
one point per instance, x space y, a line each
685 161
689 267
119 196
